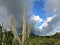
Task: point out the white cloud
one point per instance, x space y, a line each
45 23
50 18
35 19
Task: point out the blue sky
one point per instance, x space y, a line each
38 9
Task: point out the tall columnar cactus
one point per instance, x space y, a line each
24 26
28 34
14 29
29 30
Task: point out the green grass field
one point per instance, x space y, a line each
52 40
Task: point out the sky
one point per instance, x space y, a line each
38 9
46 16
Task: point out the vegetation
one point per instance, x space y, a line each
48 40
7 38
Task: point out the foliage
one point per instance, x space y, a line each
43 40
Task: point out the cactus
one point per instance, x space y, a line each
24 27
14 30
29 30
28 34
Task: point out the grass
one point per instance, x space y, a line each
43 41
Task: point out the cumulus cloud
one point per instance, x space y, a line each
46 28
35 19
45 23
